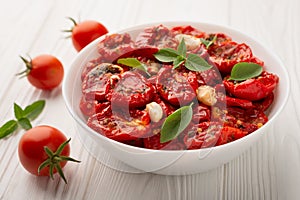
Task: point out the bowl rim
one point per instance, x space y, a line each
171 24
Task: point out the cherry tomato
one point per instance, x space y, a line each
44 71
85 32
32 153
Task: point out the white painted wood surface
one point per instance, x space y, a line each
269 170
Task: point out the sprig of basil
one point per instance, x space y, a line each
192 62
176 123
23 118
245 70
134 63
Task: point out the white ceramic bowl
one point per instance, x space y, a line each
162 161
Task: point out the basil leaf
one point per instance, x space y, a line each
134 63
130 62
244 70
18 111
208 43
166 55
179 60
25 123
205 42
176 123
196 63
8 128
34 110
181 49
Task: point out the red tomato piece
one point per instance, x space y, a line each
221 38
115 46
131 91
203 135
153 142
210 77
158 37
265 103
98 81
120 128
226 55
189 30
229 134
253 89
89 66
243 103
175 86
201 113
246 120
88 108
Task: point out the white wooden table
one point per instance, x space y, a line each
269 170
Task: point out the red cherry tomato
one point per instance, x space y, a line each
32 152
85 32
44 71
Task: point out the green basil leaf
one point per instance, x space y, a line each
179 60
18 111
181 49
34 110
130 62
134 63
244 70
176 123
196 63
166 55
208 43
205 42
8 128
25 123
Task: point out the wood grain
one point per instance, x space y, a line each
269 170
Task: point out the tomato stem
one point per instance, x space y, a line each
54 159
28 64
